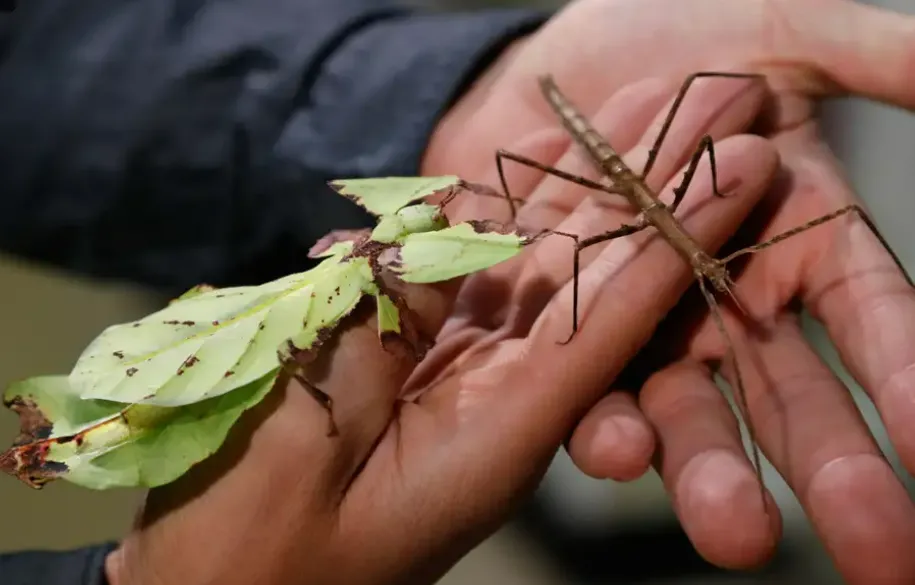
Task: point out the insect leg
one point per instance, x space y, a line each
624 230
529 162
678 101
480 189
853 208
293 366
680 191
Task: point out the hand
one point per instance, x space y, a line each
803 417
406 488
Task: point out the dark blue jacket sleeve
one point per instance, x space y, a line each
78 567
173 142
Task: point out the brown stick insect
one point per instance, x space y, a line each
655 213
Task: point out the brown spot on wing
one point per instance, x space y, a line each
189 362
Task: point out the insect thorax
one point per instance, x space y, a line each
412 219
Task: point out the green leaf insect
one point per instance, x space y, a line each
101 444
211 344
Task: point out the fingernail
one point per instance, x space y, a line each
865 518
896 403
624 446
618 431
722 512
710 479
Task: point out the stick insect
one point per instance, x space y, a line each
655 213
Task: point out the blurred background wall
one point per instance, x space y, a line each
48 317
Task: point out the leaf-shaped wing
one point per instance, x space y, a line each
456 251
100 444
386 195
213 342
334 299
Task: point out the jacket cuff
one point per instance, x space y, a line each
82 566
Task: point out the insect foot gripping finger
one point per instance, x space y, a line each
292 366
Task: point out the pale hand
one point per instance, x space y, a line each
805 420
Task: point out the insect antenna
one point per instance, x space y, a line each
729 286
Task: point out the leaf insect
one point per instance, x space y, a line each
659 215
211 341
213 345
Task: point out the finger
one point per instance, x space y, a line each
705 469
851 47
812 432
614 440
850 282
869 313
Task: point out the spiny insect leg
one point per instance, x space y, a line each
680 191
292 367
529 162
738 378
678 101
623 230
853 208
